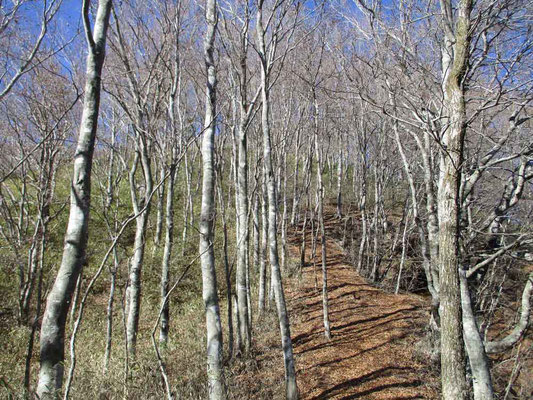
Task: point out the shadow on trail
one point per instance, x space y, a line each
372 376
370 354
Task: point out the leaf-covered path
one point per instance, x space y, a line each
371 352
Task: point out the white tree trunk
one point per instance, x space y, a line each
264 245
142 209
167 252
291 388
53 326
339 185
477 357
320 199
295 190
242 238
215 376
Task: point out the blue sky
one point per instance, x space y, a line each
70 11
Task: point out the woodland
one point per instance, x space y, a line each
266 199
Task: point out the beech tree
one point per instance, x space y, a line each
215 374
267 55
58 301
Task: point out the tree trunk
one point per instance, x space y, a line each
295 192
187 205
404 250
264 245
256 234
227 269
242 237
142 209
167 252
159 217
109 313
320 199
479 363
284 215
283 316
453 376
58 301
339 186
426 255
215 375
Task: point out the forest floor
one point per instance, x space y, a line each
374 334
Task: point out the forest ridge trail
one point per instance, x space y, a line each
370 354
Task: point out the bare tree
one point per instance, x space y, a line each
455 59
58 301
215 373
267 57
9 14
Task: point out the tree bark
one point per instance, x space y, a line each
339 185
167 252
243 235
142 209
264 245
215 374
479 363
58 301
227 269
456 48
295 191
291 388
320 199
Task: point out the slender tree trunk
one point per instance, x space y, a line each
364 219
295 190
307 180
404 250
227 269
34 326
242 238
426 255
53 326
339 186
431 207
264 245
143 210
284 215
160 202
167 252
375 227
256 234
27 284
236 319
249 290
75 300
172 176
215 373
114 269
320 199
314 240
109 311
283 316
187 204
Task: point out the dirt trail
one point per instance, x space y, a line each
370 354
